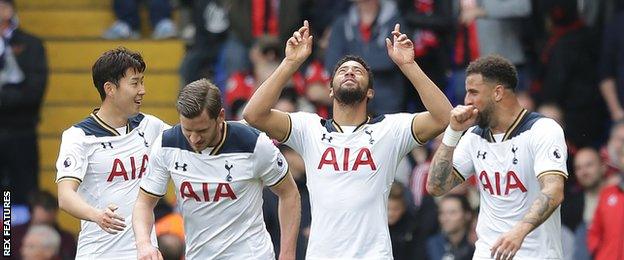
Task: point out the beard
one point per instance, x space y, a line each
349 96
484 117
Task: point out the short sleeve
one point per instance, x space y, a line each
405 136
549 148
462 161
299 123
269 164
72 161
155 181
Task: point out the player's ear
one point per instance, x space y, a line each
221 116
109 88
331 92
370 93
498 92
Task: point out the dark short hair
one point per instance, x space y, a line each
42 199
197 96
463 201
357 59
495 69
112 66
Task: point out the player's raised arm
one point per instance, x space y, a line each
72 203
289 214
441 178
258 112
429 124
142 223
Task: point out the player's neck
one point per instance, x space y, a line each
350 115
505 116
112 116
218 137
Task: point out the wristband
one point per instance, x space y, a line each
451 137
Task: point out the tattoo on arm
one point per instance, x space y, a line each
546 202
441 177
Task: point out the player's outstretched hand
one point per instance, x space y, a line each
109 221
147 251
463 117
299 46
508 244
400 48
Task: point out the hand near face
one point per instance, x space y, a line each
299 46
400 48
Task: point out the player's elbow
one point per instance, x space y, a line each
435 190
251 117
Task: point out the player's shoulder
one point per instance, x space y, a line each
238 138
146 119
301 115
174 138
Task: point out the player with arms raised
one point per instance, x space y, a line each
351 159
103 158
519 159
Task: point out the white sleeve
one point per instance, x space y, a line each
462 159
269 164
549 148
72 161
157 177
406 138
299 123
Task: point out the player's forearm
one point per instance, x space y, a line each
432 97
142 221
549 198
265 97
71 202
441 178
289 216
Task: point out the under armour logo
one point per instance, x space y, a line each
481 155
370 136
513 150
228 167
326 138
177 166
109 144
142 135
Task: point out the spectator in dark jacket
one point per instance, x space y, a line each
362 32
23 78
405 233
612 64
455 217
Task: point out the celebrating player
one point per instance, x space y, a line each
351 159
520 163
219 169
102 159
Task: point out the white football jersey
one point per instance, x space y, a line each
507 172
219 190
349 176
108 165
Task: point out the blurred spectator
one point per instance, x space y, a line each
317 89
577 210
270 205
430 23
265 56
604 237
41 243
321 14
487 27
611 152
171 247
405 234
43 207
552 111
23 78
612 65
210 20
568 76
254 19
455 217
127 25
362 32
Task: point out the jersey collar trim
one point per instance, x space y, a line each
337 128
104 125
224 132
515 124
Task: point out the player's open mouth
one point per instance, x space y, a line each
138 102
